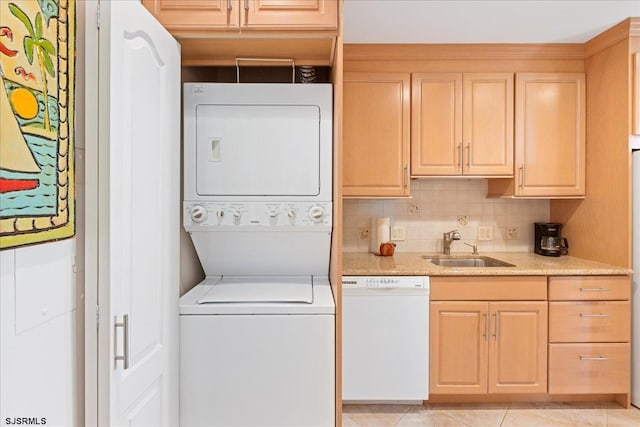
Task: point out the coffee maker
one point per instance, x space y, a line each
548 241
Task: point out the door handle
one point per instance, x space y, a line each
228 4
125 339
246 5
468 155
460 156
496 325
521 176
405 177
486 326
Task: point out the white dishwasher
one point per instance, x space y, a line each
385 338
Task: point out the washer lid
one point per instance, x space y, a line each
259 290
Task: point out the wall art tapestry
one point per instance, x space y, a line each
37 75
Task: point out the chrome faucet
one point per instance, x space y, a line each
447 239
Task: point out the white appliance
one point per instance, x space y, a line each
257 352
257 335
385 338
635 325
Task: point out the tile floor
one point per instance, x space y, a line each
600 414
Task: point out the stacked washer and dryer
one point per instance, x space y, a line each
257 343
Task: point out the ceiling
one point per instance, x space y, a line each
477 21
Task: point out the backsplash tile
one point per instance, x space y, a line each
440 205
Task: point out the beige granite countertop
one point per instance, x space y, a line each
525 264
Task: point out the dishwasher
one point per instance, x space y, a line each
385 339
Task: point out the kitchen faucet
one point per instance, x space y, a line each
447 239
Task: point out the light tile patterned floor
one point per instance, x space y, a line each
556 414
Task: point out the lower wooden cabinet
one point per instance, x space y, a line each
488 347
589 334
589 368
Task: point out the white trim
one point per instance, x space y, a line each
91 215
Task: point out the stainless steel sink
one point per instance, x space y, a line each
481 261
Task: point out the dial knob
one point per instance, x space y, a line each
291 213
273 213
220 213
316 214
198 213
236 216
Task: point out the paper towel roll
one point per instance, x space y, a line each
373 235
382 232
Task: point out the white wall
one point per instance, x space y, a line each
38 326
41 309
436 207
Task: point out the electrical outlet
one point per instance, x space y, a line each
512 233
398 232
485 233
364 233
463 220
414 208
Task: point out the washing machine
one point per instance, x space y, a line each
257 336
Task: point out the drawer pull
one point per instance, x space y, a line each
597 358
593 289
593 315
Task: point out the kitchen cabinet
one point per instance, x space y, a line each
635 125
462 124
376 108
549 137
216 15
589 334
497 346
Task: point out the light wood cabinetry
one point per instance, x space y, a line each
635 96
549 137
376 108
589 334
480 347
216 32
462 124
216 15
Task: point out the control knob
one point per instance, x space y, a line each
198 213
316 214
292 216
236 216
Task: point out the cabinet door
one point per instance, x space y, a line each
291 14
436 124
487 119
192 15
518 347
376 134
458 347
550 134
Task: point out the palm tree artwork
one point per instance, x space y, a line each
35 43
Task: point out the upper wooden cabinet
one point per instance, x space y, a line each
215 15
462 124
376 108
550 137
635 125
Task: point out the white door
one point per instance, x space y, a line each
138 226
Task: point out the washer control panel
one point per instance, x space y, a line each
252 214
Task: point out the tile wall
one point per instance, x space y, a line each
440 205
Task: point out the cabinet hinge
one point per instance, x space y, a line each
97 317
98 16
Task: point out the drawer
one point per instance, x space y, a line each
567 288
485 288
589 368
590 321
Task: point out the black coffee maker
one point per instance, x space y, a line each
548 241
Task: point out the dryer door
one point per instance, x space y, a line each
258 150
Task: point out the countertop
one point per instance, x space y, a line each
525 264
